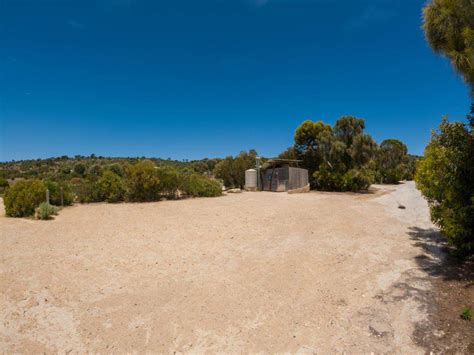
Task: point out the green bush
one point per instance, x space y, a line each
232 170
45 211
445 176
356 180
94 172
142 182
110 187
169 181
196 185
327 179
3 184
392 162
116 168
55 193
333 180
466 313
22 198
85 190
79 169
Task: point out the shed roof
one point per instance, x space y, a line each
275 162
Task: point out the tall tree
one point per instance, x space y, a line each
392 160
307 143
449 29
445 175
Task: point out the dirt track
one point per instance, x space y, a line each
317 272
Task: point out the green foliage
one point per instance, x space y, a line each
142 182
94 171
80 169
290 153
347 128
109 187
410 167
357 180
466 313
392 160
3 184
308 138
339 158
116 168
85 190
197 185
45 211
55 193
445 176
232 170
22 198
66 168
449 29
169 182
329 179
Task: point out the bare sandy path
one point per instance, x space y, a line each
268 272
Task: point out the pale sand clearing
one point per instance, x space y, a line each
270 272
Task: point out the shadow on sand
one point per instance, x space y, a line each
452 288
436 259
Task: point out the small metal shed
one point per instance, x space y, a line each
280 175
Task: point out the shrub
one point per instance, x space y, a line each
392 160
3 184
466 313
356 180
142 182
232 170
196 185
86 191
55 193
333 180
169 182
94 172
79 169
327 179
116 168
110 187
22 198
45 211
445 176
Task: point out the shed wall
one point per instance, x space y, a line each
298 178
284 179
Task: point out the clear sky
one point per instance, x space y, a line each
209 78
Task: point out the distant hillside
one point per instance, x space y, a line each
66 168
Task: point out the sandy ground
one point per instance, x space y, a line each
250 272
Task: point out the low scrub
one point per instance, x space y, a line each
110 187
169 182
445 176
466 313
3 184
24 197
142 182
197 185
85 191
353 180
45 211
55 189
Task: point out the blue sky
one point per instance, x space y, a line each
209 78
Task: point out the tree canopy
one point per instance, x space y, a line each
449 29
